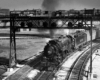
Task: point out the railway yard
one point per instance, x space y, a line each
75 66
50 43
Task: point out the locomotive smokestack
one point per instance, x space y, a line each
50 5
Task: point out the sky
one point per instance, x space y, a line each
58 4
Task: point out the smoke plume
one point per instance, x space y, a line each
50 5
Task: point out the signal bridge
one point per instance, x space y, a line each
55 19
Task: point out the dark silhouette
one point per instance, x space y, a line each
22 24
30 25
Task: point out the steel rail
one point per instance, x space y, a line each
46 75
77 67
51 74
83 66
25 69
72 67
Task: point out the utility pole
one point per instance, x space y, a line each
91 41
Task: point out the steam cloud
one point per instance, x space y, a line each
50 5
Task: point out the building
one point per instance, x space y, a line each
4 12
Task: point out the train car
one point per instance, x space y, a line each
80 38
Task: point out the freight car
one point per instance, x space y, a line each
57 49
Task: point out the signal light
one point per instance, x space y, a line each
70 24
22 24
45 24
29 24
53 25
80 25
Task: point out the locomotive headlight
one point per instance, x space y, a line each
49 52
70 24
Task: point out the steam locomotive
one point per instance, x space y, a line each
57 49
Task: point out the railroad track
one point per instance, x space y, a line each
47 75
77 69
21 73
43 75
